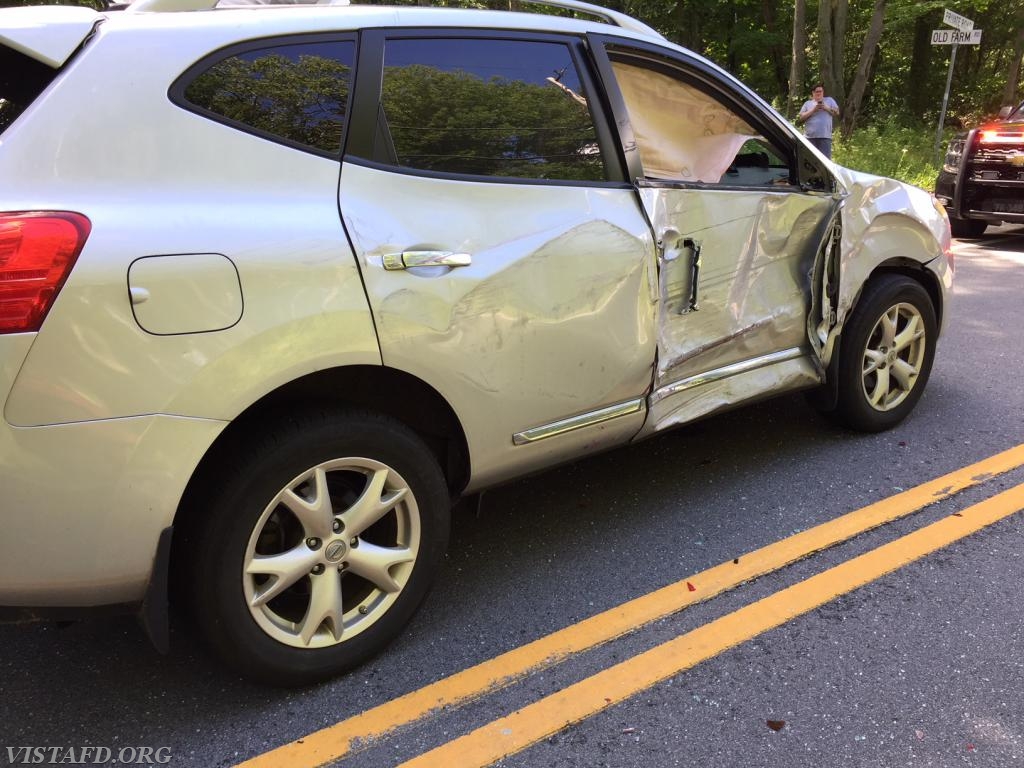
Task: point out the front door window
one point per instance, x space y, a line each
737 237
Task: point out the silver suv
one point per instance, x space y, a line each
279 284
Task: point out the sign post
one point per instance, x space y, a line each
963 33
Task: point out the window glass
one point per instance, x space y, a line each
486 107
685 134
297 92
22 79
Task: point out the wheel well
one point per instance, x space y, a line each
375 388
915 271
824 399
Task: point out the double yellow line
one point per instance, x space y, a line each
582 700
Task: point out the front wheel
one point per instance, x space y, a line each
319 544
886 354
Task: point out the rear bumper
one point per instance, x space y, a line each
83 505
981 198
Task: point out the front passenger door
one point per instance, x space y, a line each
737 235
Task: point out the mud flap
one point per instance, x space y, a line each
153 615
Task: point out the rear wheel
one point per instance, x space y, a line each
886 354
321 541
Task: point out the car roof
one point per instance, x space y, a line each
51 34
415 15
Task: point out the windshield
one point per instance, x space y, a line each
1017 114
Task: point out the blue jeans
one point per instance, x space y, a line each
823 145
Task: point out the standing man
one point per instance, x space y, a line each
816 116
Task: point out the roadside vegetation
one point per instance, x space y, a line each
906 154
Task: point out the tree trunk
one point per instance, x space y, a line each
1013 75
918 100
825 43
860 79
776 51
686 20
798 65
840 12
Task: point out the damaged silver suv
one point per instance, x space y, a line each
278 284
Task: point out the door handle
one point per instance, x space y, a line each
407 259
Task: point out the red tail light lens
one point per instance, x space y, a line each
37 251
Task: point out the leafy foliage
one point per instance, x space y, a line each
99 5
906 154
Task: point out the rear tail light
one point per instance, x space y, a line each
37 251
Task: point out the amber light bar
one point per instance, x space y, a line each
999 137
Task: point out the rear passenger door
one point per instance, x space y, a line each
506 259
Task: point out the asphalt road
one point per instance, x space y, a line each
920 667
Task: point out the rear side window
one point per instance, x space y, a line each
22 79
296 92
510 108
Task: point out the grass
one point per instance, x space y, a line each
907 154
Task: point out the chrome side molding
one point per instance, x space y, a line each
577 422
726 371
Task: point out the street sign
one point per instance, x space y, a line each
956 37
956 20
963 33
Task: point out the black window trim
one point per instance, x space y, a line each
176 93
359 149
700 75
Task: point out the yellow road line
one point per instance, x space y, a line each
359 731
586 698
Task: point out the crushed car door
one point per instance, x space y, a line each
506 261
737 235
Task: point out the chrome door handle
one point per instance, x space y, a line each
407 259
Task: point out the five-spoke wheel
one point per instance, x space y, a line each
893 356
331 552
886 353
322 539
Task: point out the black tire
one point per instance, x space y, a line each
967 227
864 344
254 513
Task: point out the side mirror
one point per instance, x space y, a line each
1004 112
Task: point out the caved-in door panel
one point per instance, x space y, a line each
737 236
753 282
552 317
